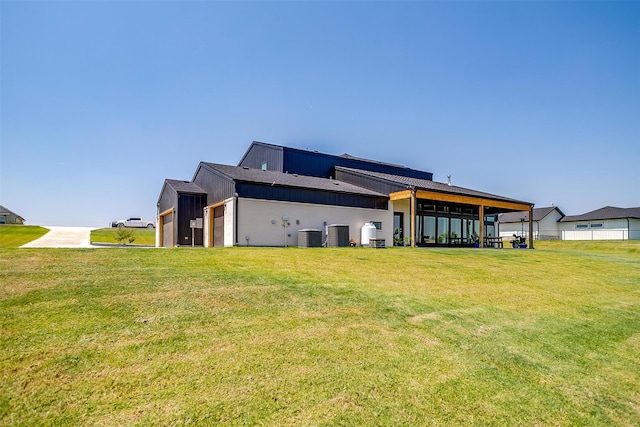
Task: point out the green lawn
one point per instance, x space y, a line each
143 236
14 236
346 336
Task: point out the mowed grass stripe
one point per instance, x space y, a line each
14 236
321 337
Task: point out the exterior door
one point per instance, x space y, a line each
398 228
218 226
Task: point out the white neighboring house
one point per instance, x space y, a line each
545 223
608 223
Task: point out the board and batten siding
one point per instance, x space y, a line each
261 154
261 221
612 229
217 185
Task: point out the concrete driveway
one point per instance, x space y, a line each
63 237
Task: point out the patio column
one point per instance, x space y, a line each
413 218
531 227
481 217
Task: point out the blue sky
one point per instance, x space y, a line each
102 100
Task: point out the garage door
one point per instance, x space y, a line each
167 230
218 226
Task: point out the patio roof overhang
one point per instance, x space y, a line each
506 205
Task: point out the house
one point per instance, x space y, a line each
608 223
545 223
9 217
275 192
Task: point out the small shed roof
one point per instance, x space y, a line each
608 212
281 179
538 214
184 186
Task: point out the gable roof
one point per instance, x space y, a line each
538 214
281 179
608 212
428 185
184 186
5 211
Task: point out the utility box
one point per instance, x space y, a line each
309 238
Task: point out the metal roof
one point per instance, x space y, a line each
424 184
281 179
343 156
608 212
538 214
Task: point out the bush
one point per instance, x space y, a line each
124 236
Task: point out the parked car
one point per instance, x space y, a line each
133 223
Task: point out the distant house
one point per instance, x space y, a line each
608 223
545 223
9 217
276 193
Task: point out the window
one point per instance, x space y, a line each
582 225
264 166
378 224
596 225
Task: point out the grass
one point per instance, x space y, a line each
143 236
14 236
322 336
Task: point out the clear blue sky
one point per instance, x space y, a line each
103 100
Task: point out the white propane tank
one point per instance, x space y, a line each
368 232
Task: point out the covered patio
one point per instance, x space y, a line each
450 216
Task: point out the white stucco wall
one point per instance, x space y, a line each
229 215
261 221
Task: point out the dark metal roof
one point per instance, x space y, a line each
341 156
376 162
281 179
608 212
423 184
538 214
184 186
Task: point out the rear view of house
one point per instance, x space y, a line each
276 192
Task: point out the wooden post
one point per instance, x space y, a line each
531 227
413 218
481 237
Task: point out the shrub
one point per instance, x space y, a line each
124 236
